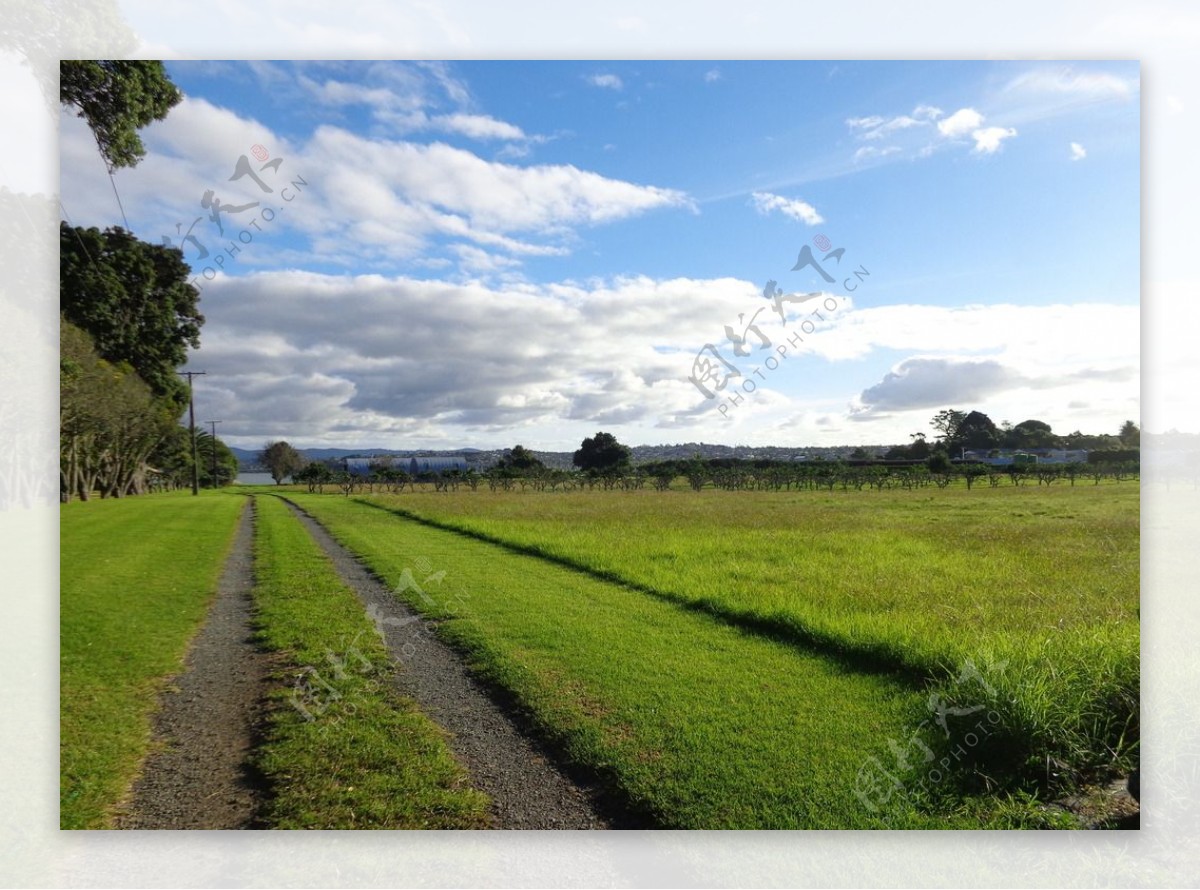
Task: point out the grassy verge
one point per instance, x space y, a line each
1041 580
137 576
697 723
342 749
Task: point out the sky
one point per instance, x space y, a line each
480 254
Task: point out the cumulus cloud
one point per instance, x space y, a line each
929 382
388 355
368 198
989 139
370 358
924 122
960 123
968 121
801 211
605 81
1078 152
712 75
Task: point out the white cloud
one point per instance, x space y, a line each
1060 335
405 99
1078 152
469 363
922 383
870 151
477 126
605 81
864 123
1070 81
932 382
712 75
404 356
960 123
989 139
877 127
964 122
765 202
376 199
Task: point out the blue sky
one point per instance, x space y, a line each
485 253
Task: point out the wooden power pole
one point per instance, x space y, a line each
192 426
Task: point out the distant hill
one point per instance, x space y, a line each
483 458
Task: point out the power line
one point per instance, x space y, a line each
124 218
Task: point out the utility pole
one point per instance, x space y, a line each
192 426
214 423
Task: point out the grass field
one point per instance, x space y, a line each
350 753
137 576
717 659
1043 580
698 721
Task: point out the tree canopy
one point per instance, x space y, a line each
601 454
134 299
109 421
520 460
1130 435
281 459
117 98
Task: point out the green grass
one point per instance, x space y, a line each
695 721
137 577
342 750
1042 579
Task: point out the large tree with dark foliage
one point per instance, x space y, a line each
116 98
521 460
602 454
134 299
281 459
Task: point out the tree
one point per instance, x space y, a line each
946 422
227 463
602 454
1130 435
134 299
117 98
975 430
281 459
109 421
522 461
1031 434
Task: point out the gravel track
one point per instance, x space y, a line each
198 774
528 789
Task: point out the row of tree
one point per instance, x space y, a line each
958 431
724 474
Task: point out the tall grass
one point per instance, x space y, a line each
694 721
1041 580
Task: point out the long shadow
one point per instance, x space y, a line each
853 657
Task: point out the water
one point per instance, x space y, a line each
254 479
